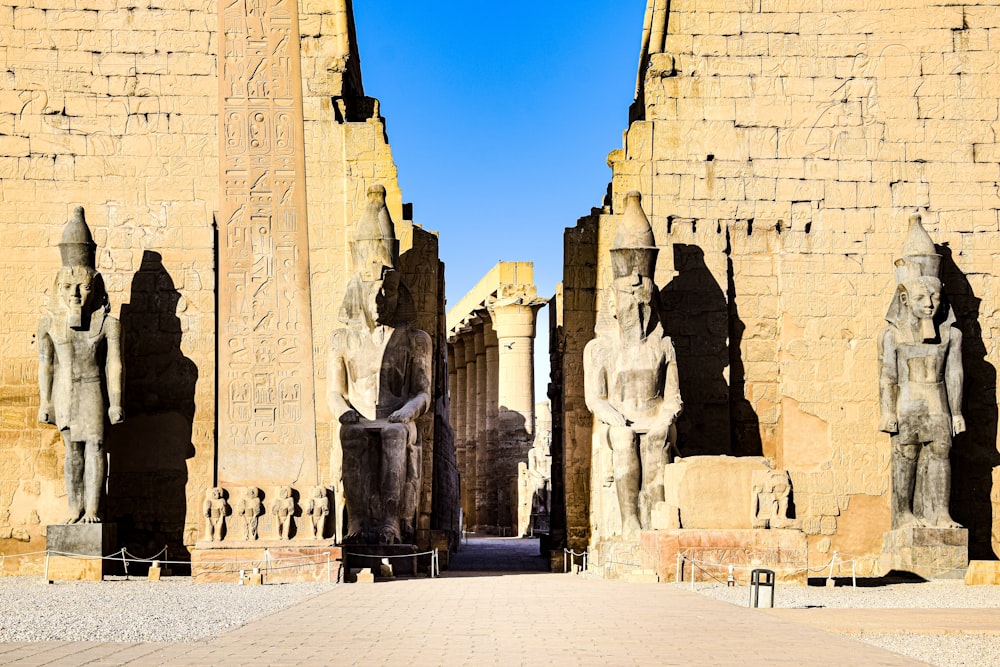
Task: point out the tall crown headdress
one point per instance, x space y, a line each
919 258
374 246
77 247
634 249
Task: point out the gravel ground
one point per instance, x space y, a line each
946 650
173 609
926 595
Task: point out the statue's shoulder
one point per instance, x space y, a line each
112 326
418 335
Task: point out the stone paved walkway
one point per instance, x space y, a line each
495 618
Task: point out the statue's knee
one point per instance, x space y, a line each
939 450
396 434
907 452
621 437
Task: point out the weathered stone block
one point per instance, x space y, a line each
932 553
73 541
279 562
782 550
712 492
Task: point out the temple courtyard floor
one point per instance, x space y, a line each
496 606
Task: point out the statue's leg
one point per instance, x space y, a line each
937 485
395 438
74 478
356 471
411 491
653 452
625 459
94 473
904 471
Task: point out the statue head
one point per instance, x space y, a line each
922 297
285 492
79 289
633 260
918 297
215 492
319 491
251 492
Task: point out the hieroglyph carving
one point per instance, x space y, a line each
266 417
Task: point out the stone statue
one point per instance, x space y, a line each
920 386
772 491
630 375
379 383
317 507
250 508
283 509
80 369
215 510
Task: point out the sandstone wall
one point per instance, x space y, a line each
114 106
779 147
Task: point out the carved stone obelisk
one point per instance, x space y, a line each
267 420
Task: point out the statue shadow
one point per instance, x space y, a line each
706 331
147 474
974 453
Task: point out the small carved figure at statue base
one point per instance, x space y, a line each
920 387
317 507
250 508
630 376
215 510
379 384
772 491
80 369
283 510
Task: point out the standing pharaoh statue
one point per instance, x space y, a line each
379 383
630 375
921 386
80 369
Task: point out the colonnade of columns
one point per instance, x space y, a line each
491 383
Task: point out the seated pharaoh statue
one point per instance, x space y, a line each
379 383
630 376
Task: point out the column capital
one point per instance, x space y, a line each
516 319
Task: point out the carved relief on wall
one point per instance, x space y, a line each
267 421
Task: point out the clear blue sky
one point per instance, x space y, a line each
501 116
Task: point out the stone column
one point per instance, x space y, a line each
482 454
492 389
458 419
515 327
471 446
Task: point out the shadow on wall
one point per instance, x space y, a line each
706 331
974 453
147 475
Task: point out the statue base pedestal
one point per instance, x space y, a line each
279 561
402 557
81 540
784 551
932 553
